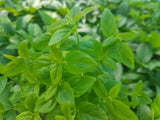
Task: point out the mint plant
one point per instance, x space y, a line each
55 77
54 69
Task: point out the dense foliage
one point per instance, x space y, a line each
79 60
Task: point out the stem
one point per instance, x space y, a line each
78 40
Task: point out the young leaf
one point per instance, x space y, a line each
114 91
42 61
100 89
23 50
42 42
79 62
57 25
84 12
75 11
154 39
14 67
66 110
108 23
60 118
27 115
98 49
109 41
138 87
43 105
56 54
56 74
50 92
61 35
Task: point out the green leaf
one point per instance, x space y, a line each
127 36
98 49
109 41
1 68
138 87
57 25
3 83
42 61
100 89
30 101
144 53
42 42
26 36
156 107
81 84
14 67
60 35
126 55
144 112
65 94
66 109
50 92
27 115
119 111
114 91
22 21
2 109
43 105
8 28
11 115
74 11
36 116
84 12
109 62
56 74
10 57
56 54
89 111
34 30
79 62
23 50
45 17
60 118
144 98
154 39
108 23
